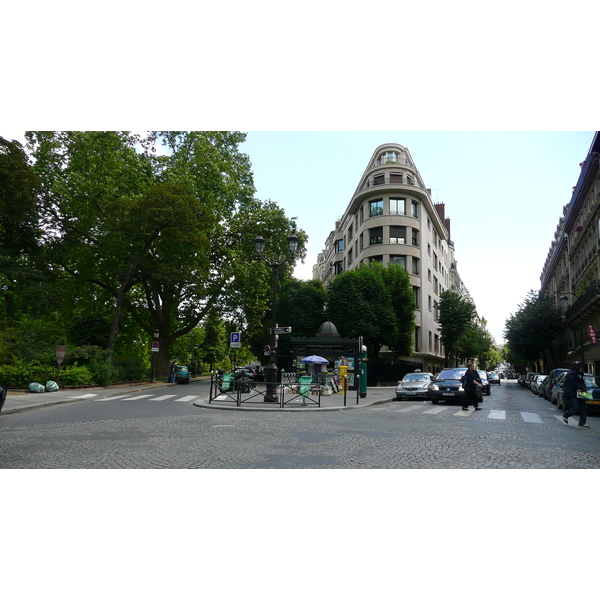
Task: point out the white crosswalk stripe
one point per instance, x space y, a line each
129 398
437 409
161 398
185 399
497 414
84 396
409 409
531 417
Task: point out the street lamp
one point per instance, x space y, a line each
154 351
271 373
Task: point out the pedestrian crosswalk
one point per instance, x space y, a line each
484 413
134 397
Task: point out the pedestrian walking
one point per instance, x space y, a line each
173 374
471 383
573 382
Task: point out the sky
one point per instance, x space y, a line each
504 194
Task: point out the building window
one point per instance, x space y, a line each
338 268
409 180
350 234
378 180
415 209
397 206
417 293
376 208
398 260
429 303
389 157
339 246
417 338
350 257
415 237
375 236
415 266
395 177
397 234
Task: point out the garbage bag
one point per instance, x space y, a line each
36 388
51 386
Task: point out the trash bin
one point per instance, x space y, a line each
226 382
305 382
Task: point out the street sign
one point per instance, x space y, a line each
279 330
60 354
592 333
235 340
155 347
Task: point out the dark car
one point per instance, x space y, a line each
182 375
245 378
447 386
593 404
494 378
487 388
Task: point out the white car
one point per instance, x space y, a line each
414 385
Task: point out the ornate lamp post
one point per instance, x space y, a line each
271 373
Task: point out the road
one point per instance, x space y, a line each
163 429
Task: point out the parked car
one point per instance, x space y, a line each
535 384
182 375
245 378
549 383
414 385
2 397
557 387
529 378
487 388
494 378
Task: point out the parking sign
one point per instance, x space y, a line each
235 340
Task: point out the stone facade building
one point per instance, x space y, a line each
392 219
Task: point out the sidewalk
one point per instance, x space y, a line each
18 401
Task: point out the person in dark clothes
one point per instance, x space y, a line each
471 383
574 381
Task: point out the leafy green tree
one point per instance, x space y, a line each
455 318
533 329
19 225
361 303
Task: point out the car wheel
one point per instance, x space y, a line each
435 401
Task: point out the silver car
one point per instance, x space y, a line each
414 385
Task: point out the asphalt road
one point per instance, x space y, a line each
164 430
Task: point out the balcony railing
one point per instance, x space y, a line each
583 300
395 181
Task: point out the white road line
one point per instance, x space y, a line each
531 417
497 414
161 398
186 399
436 410
127 399
462 413
409 408
110 398
84 396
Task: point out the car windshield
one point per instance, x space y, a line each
590 382
482 374
416 377
451 374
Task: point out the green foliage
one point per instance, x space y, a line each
376 303
456 316
533 329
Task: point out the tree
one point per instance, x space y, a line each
456 316
533 329
361 302
19 224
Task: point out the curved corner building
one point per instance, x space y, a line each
391 219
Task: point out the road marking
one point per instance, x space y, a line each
161 398
110 398
531 417
497 414
127 398
186 399
462 413
408 409
84 396
436 410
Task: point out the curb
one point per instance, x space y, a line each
295 409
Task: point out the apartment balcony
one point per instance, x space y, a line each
586 305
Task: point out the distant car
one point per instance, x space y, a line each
182 375
494 378
487 388
535 384
557 387
529 378
414 385
245 378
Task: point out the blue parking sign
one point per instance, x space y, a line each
235 340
